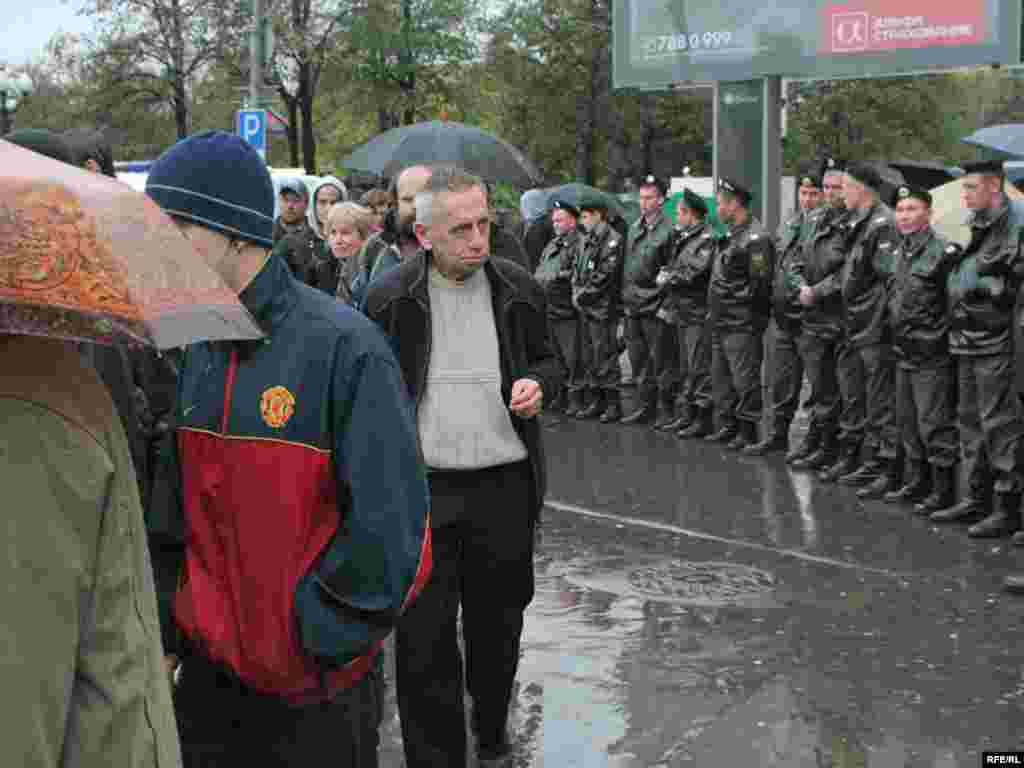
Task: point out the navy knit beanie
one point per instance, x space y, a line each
218 181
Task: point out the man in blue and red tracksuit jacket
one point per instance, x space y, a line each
303 529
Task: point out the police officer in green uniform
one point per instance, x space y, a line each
648 249
787 373
925 386
983 289
597 294
869 265
554 272
684 311
740 308
815 275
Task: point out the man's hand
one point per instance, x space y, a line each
171 661
807 296
527 398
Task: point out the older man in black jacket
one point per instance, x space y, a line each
472 340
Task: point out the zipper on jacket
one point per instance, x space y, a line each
229 385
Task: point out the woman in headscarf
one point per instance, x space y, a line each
537 228
327 192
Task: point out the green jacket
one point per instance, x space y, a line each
82 665
647 251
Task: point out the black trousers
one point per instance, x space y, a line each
927 413
568 343
787 373
852 391
483 561
601 366
819 357
736 358
223 724
990 419
694 340
652 361
881 428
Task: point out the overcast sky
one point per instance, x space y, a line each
29 25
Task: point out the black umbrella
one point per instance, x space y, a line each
926 175
470 148
1007 139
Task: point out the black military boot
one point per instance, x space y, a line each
823 456
700 427
776 441
916 485
1014 584
943 492
596 407
683 419
1003 522
869 471
849 461
646 413
970 508
575 403
808 446
726 433
667 411
746 435
885 483
613 411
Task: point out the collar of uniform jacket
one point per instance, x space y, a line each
656 222
735 230
984 219
597 232
915 241
271 295
690 231
567 239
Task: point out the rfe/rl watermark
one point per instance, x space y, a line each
1002 758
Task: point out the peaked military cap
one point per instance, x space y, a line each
908 191
561 205
865 174
593 202
650 180
811 180
830 164
988 167
694 202
734 188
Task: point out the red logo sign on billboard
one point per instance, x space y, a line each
882 25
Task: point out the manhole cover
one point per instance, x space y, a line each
707 583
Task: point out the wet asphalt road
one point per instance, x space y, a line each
697 608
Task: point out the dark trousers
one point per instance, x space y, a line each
694 341
927 412
736 375
647 343
483 561
568 343
881 429
223 724
852 392
787 373
819 356
990 419
601 366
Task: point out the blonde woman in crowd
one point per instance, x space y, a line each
348 226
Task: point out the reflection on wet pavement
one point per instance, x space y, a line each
698 609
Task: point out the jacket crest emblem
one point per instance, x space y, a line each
277 406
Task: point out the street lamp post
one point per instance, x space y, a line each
13 88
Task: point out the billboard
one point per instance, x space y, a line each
660 42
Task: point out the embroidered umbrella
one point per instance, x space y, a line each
86 258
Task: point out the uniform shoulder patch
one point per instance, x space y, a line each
277 406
